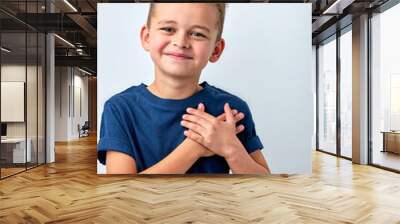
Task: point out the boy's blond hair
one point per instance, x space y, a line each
221 17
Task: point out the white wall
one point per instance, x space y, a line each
68 81
17 72
267 55
61 103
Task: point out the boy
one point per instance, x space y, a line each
143 127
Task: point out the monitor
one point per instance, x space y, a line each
3 129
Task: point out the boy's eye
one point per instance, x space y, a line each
167 29
197 34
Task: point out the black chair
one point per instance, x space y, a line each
84 130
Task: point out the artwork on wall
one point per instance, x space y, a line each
12 101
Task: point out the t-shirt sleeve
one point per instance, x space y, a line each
114 133
249 137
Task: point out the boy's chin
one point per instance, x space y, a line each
180 74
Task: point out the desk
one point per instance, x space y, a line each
17 150
391 141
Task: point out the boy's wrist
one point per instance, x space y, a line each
232 151
195 147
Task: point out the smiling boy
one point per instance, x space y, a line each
176 125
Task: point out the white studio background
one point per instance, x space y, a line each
267 62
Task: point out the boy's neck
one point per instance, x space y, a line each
171 88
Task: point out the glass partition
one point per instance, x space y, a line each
22 77
13 109
327 96
31 100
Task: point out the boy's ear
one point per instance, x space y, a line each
219 48
144 37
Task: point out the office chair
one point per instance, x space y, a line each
84 130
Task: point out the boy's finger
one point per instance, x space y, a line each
228 113
197 119
193 126
239 117
194 136
200 113
239 129
221 117
201 107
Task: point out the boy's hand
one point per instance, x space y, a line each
237 116
215 134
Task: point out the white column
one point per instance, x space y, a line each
50 93
360 90
50 110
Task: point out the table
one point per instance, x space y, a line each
17 149
391 141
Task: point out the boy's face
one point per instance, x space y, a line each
182 38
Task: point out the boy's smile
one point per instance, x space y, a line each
179 56
182 38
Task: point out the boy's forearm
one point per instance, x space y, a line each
240 162
179 160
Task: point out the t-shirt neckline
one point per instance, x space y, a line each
195 98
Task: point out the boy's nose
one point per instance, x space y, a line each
181 41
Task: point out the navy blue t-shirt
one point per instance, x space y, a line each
147 127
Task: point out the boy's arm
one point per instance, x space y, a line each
183 157
259 158
119 163
241 162
219 137
177 162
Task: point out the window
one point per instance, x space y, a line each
327 96
346 93
385 88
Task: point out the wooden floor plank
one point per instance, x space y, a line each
70 191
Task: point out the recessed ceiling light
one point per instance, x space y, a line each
84 71
5 50
64 40
337 7
70 5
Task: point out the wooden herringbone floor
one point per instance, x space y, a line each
70 191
